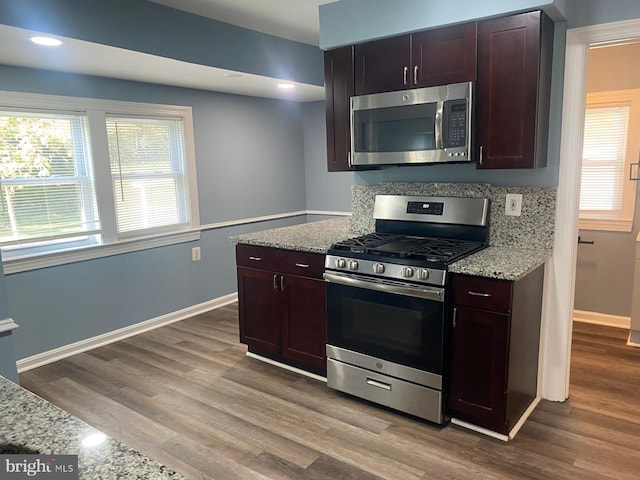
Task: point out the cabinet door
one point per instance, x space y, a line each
339 88
510 107
304 323
444 55
480 342
383 65
259 310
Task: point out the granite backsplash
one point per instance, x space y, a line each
534 227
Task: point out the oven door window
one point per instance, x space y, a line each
395 129
401 329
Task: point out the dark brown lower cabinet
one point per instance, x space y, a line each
494 350
282 305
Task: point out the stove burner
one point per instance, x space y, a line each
389 245
366 243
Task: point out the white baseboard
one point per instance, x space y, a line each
59 353
500 436
329 213
634 338
605 319
476 428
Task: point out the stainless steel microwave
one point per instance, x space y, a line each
424 125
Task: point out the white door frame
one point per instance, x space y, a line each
561 269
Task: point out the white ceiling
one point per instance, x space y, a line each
291 19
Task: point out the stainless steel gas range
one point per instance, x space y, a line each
387 300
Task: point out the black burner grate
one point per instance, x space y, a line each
430 249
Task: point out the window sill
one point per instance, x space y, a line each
89 253
607 225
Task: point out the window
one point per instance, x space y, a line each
46 182
611 144
77 173
147 170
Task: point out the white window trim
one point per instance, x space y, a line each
90 106
624 223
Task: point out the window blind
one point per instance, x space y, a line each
46 181
603 163
148 173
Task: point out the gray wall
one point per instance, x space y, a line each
581 13
7 351
325 190
355 21
250 157
605 270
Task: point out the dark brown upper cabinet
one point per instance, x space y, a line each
424 59
513 91
445 55
338 76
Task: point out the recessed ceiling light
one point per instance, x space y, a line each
286 86
46 41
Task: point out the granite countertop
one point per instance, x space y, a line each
314 237
35 423
500 262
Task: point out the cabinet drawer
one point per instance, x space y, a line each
264 258
288 262
479 292
301 263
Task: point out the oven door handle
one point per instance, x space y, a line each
425 292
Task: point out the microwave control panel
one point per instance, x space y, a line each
455 121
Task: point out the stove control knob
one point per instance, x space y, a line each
423 274
378 268
407 272
341 263
353 264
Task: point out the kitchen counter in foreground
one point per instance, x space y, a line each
33 422
500 262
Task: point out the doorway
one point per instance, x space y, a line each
607 232
560 286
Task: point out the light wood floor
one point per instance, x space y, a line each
187 396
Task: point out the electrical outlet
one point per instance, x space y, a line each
195 254
513 205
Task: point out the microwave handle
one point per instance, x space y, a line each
438 125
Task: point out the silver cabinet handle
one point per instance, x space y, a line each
481 149
405 70
455 312
256 259
349 159
282 283
376 383
275 281
438 124
478 294
302 265
415 75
